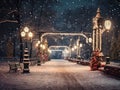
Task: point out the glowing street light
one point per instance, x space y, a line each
23 34
75 47
81 45
37 44
43 47
26 34
26 29
49 51
107 25
30 34
90 40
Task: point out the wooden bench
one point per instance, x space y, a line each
74 60
84 63
14 66
112 70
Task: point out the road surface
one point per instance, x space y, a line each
57 75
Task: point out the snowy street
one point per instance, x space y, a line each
57 75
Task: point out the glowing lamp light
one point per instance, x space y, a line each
36 45
43 46
23 34
90 40
107 24
26 29
30 34
49 51
73 49
38 42
80 45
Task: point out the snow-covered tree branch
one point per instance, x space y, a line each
13 11
10 21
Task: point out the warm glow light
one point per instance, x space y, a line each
26 29
73 49
80 45
23 34
107 24
36 45
38 42
43 46
30 34
90 40
49 51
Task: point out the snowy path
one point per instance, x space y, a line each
57 75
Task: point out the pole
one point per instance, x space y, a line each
31 49
26 61
39 53
107 49
26 44
107 44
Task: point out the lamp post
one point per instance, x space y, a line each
90 42
26 34
38 53
78 48
30 35
107 25
75 48
39 49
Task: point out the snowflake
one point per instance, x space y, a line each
13 16
67 3
35 17
73 2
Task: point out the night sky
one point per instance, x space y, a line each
57 15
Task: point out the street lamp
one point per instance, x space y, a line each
38 43
75 47
25 34
107 25
80 46
90 46
30 34
90 40
39 52
26 29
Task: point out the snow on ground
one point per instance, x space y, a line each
57 75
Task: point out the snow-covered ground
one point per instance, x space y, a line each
57 75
